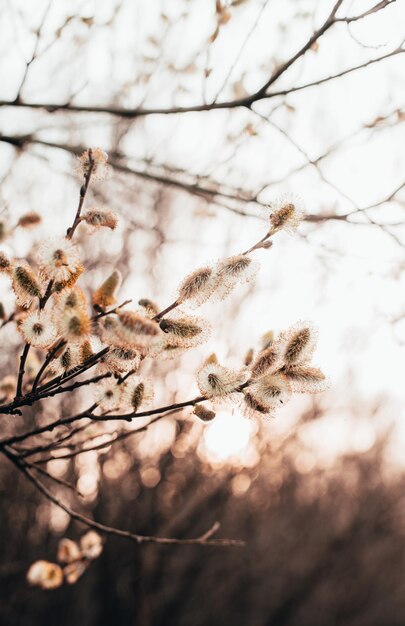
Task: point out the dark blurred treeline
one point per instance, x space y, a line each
324 546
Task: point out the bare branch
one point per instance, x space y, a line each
203 540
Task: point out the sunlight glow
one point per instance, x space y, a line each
227 438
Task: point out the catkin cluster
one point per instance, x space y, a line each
68 330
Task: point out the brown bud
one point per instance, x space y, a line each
29 220
104 296
204 414
5 264
149 305
249 356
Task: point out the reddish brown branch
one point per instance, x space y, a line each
203 540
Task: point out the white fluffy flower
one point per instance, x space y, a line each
185 330
134 330
268 361
122 360
73 571
97 159
167 348
67 361
70 299
59 259
216 381
298 343
197 287
266 394
232 271
26 285
138 392
68 551
74 325
108 396
286 213
38 329
46 575
91 545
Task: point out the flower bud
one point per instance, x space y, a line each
204 414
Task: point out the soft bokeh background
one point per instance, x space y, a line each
317 492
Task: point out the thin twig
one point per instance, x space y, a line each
21 371
83 191
109 530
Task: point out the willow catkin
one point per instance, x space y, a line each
267 360
97 218
198 286
25 285
204 414
5 264
104 296
305 379
287 213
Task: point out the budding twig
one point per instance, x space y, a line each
21 371
203 540
83 191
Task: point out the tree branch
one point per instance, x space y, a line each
203 540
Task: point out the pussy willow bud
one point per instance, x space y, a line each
150 306
137 324
4 230
265 244
204 414
266 394
71 298
232 271
85 351
59 260
305 379
100 219
38 328
184 328
45 575
122 360
73 571
66 359
66 284
91 545
234 266
74 325
138 392
68 551
29 220
298 344
267 339
268 360
25 284
212 358
287 213
137 396
216 381
249 356
198 286
5 265
96 160
104 296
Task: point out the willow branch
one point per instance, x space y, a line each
245 102
21 372
83 192
203 539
